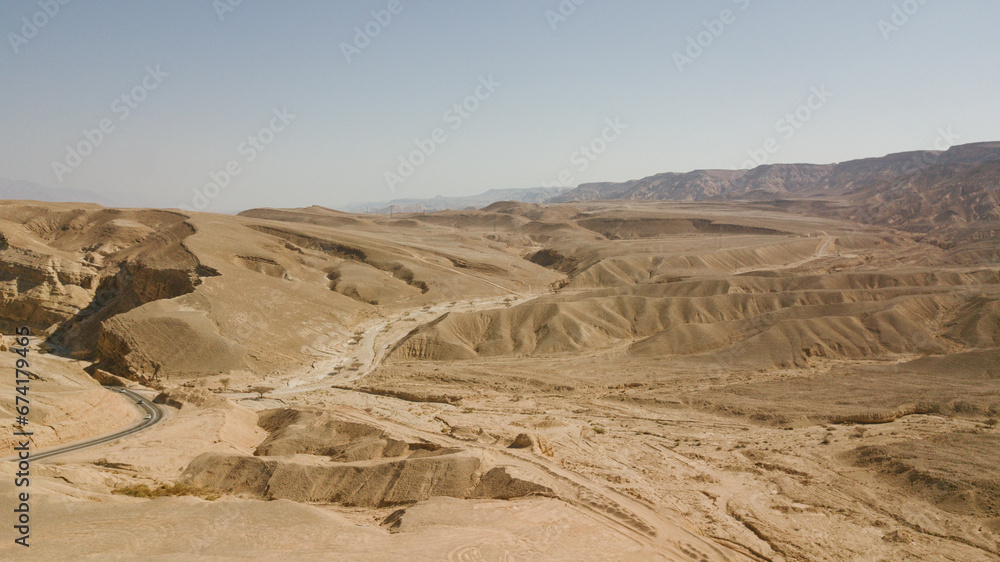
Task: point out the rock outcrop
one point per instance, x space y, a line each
314 456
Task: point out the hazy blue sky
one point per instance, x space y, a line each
560 81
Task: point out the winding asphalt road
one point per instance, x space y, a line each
154 411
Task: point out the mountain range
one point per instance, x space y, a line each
769 181
917 191
439 203
26 190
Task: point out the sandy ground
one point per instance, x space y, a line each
751 386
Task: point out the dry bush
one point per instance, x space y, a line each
165 490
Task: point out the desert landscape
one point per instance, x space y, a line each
793 362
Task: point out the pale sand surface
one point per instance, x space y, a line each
689 381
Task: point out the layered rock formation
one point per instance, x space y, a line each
313 456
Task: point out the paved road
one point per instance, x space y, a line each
155 415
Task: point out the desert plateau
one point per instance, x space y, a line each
498 281
727 377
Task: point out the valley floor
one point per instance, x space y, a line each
612 381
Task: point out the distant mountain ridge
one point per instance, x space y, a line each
771 180
525 195
951 193
920 191
26 190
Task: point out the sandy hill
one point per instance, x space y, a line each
156 295
669 282
153 294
